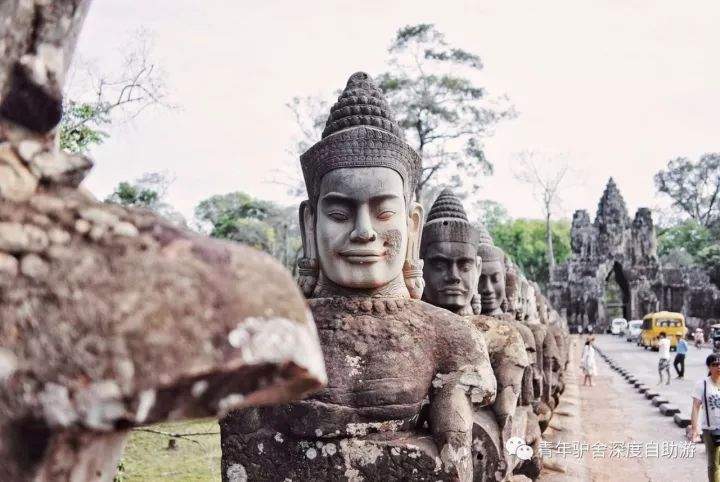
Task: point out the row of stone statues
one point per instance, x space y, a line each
427 389
113 318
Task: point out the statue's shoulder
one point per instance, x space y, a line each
483 322
432 312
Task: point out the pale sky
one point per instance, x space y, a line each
620 86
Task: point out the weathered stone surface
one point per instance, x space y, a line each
650 394
658 400
16 182
98 337
615 245
20 238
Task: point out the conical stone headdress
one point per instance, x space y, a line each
360 132
486 247
447 221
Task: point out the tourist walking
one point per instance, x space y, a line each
664 361
707 396
587 363
698 337
679 362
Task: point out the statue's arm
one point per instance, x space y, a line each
451 424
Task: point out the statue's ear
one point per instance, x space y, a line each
413 267
415 225
308 265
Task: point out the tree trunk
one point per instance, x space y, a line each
550 251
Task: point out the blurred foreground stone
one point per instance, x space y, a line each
109 317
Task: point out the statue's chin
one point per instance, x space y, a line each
371 276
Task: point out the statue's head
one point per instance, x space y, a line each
360 225
512 288
449 253
492 275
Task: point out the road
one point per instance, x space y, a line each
643 365
621 428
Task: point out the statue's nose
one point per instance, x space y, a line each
363 232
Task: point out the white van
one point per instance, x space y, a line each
618 326
634 329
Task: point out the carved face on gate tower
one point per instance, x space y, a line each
360 227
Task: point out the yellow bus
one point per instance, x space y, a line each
673 324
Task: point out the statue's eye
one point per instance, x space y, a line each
338 216
466 266
385 215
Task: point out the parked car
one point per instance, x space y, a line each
633 330
618 326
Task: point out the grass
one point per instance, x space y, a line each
147 457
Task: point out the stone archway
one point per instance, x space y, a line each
616 294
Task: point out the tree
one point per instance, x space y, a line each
525 241
689 236
432 87
95 100
148 191
262 224
490 213
545 174
709 258
694 187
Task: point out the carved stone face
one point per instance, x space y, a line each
492 286
362 226
450 273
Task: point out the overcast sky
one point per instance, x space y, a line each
620 86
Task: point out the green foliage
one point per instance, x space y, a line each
709 258
128 194
255 222
221 209
694 187
689 243
81 125
148 191
525 241
688 236
252 232
491 213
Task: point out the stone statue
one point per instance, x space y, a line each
491 286
403 376
448 249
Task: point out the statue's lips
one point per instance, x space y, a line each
452 291
362 256
488 299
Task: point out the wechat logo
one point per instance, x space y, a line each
517 446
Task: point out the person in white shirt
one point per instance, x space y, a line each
587 362
664 362
707 396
